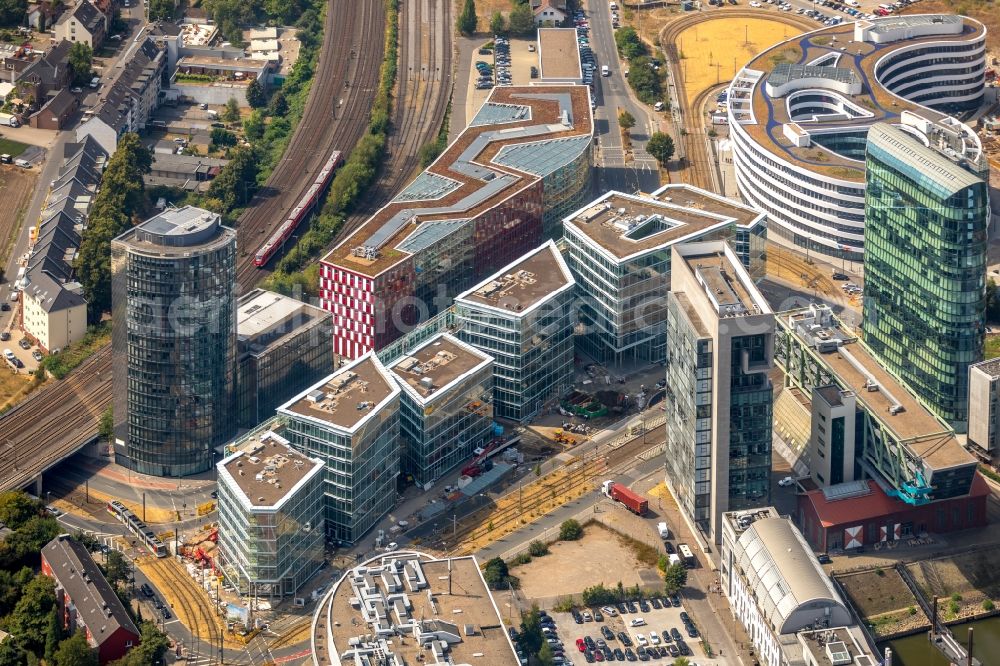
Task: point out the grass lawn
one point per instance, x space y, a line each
991 348
12 148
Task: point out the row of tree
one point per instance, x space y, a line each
119 201
520 21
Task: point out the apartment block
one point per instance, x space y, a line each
720 342
523 317
618 248
350 421
271 514
984 407
446 409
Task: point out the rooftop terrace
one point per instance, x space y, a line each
885 397
433 367
266 469
625 225
347 397
525 283
840 60
529 131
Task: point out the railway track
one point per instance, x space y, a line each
193 603
336 115
423 88
698 165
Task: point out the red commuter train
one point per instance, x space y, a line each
303 208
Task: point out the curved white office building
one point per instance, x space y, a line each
799 115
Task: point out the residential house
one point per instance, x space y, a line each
36 77
549 12
56 112
86 601
84 23
129 100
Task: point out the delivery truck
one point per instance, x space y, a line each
631 500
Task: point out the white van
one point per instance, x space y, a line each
94 82
658 106
24 164
664 530
605 71
852 3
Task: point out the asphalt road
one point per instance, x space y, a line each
612 93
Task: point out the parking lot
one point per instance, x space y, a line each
832 12
654 633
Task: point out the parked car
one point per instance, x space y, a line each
787 481
37 355
637 622
24 343
4 336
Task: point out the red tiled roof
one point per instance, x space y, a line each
855 510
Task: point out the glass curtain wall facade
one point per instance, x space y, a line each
438 436
271 551
926 220
750 420
565 189
689 424
270 376
174 343
533 354
360 468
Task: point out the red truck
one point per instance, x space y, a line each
630 499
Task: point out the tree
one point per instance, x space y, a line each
223 138
121 196
237 182
24 545
75 651
28 621
161 9
537 549
645 80
498 24
106 426
530 638
674 578
232 112
992 301
12 12
496 573
253 126
661 147
11 654
626 120
279 104
682 661
545 655
53 634
570 530
256 97
81 60
522 20
117 570
11 584
628 43
16 508
466 22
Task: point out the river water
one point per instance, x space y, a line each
916 651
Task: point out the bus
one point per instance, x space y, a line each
686 555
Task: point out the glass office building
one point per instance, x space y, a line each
350 421
174 341
618 248
523 317
720 343
271 537
284 346
926 221
446 409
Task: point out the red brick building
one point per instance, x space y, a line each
860 513
86 600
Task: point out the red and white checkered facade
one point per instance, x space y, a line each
350 297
